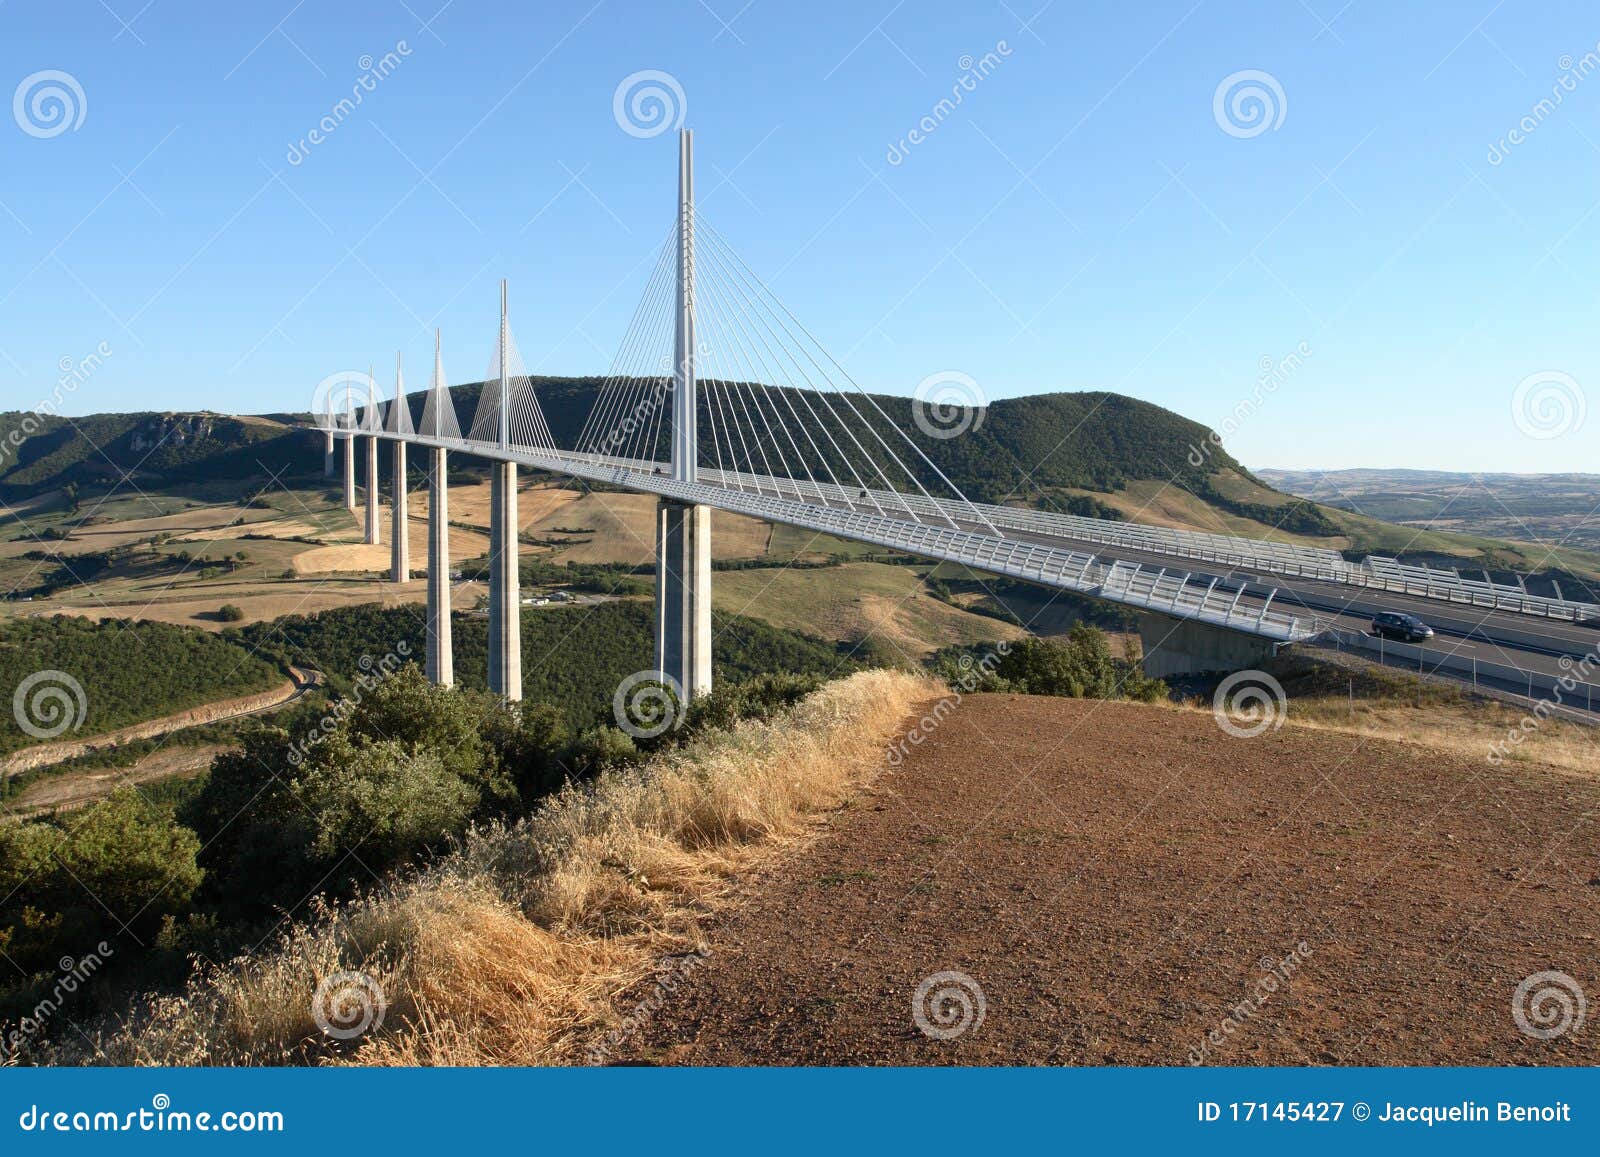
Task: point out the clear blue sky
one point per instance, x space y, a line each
1080 221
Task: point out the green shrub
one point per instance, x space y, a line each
112 871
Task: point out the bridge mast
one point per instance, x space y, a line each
683 530
505 603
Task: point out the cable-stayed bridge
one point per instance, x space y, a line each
719 398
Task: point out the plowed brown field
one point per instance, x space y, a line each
1130 885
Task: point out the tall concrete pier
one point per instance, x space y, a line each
683 596
372 491
328 465
441 667
350 473
505 602
399 522
683 532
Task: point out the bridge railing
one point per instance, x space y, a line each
1318 563
1574 692
1068 569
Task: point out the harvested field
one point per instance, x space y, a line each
1129 885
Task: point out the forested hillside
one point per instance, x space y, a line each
128 671
154 449
573 658
1095 441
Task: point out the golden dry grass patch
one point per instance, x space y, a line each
514 949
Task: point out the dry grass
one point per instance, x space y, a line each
514 949
1467 728
1351 696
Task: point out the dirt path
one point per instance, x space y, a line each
79 788
301 681
1128 885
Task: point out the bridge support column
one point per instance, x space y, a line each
1187 647
505 602
350 473
399 526
328 466
441 667
372 491
683 596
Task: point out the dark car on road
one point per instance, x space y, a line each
1395 625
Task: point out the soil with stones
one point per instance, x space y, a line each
1107 883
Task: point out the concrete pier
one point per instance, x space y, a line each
350 473
505 603
683 596
328 465
372 491
441 667
1186 647
399 530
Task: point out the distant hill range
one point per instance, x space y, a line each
1055 450
1548 508
1094 453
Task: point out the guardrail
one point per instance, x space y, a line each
1272 558
1035 562
1322 564
1568 692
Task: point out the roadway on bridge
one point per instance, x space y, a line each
1526 642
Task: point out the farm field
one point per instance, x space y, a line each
1120 880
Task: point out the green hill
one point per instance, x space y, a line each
152 449
1092 453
